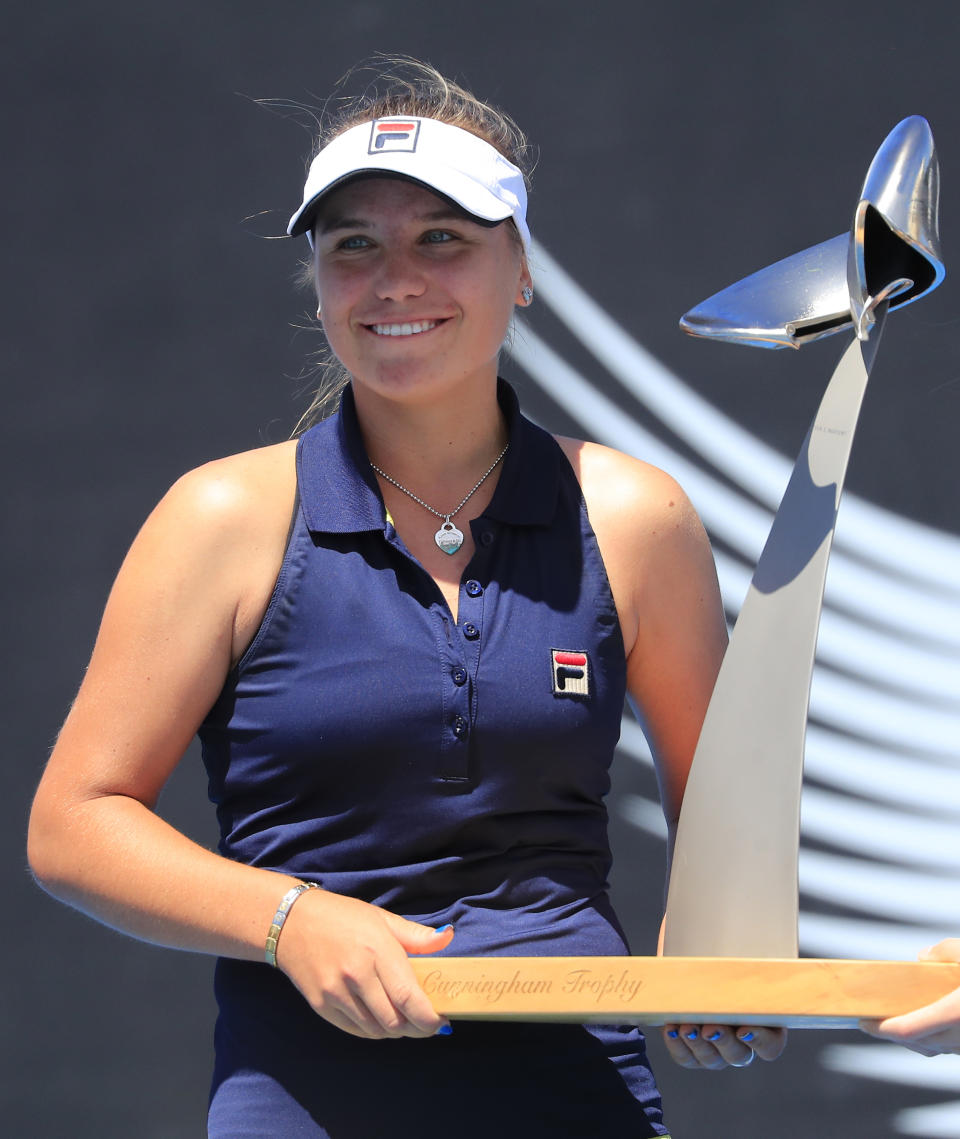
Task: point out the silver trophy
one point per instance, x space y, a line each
743 795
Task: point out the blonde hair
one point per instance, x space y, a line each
401 85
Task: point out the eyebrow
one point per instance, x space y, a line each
444 213
342 223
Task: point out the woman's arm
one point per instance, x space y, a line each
163 650
664 581
187 600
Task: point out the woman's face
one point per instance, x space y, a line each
415 297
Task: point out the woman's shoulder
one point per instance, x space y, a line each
226 519
655 549
621 487
248 488
214 543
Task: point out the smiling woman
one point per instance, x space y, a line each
407 728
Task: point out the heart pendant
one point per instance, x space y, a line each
449 538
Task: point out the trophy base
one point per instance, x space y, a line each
793 993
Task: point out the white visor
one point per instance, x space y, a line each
453 162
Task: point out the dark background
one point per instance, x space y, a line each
148 325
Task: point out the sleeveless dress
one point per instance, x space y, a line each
448 771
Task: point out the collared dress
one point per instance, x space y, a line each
446 770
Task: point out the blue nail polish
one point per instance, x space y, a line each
714 1036
673 1034
445 1030
692 1034
747 1037
444 928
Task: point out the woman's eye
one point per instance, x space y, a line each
354 243
438 237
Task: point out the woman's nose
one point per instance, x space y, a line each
399 278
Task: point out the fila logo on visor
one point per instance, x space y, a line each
393 134
571 673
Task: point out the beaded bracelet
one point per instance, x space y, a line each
286 903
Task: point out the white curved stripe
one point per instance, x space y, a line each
890 719
644 814
908 547
734 578
741 524
634 742
860 829
826 935
859 588
884 891
879 832
864 768
861 768
939 1121
890 1062
857 708
931 673
879 890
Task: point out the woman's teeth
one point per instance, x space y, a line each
403 329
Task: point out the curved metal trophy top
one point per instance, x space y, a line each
743 792
891 252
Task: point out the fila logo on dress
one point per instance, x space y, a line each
393 134
571 672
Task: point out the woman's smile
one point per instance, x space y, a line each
407 328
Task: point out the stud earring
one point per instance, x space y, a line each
319 313
527 293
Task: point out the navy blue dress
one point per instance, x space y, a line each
449 771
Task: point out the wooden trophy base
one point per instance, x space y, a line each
794 993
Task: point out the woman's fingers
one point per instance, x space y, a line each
702 1042
927 1044
352 1015
410 1012
715 1046
398 978
416 938
689 1047
767 1043
379 1000
349 960
947 950
733 1050
679 1041
933 1029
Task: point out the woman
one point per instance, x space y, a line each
408 696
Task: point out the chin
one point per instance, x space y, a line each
416 381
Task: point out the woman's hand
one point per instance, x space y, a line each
349 960
720 1046
933 1029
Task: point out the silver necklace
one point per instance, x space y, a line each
448 537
